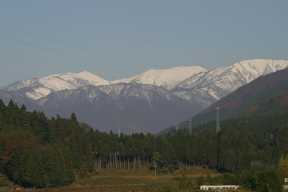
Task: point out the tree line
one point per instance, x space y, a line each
36 151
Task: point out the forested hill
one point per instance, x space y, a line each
36 151
254 140
254 126
40 152
249 98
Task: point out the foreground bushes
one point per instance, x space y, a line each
39 152
261 181
40 167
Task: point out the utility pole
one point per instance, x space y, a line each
218 135
119 132
190 127
218 128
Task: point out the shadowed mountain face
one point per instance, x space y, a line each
260 96
132 108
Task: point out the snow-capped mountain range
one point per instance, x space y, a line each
214 84
149 101
167 78
37 88
41 87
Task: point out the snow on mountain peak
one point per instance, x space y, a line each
37 88
85 76
167 78
221 81
187 82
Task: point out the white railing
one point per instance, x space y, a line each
219 187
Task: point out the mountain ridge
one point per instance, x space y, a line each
219 82
37 88
136 107
141 106
181 78
167 78
253 97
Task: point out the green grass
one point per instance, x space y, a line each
5 185
140 180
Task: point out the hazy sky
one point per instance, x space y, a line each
117 38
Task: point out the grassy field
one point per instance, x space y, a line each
5 185
140 180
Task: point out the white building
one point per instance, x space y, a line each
219 187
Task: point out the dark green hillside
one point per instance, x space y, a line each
39 152
254 126
35 151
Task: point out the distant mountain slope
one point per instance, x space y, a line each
167 78
151 101
259 96
125 107
213 85
37 88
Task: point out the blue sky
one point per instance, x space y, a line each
118 38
